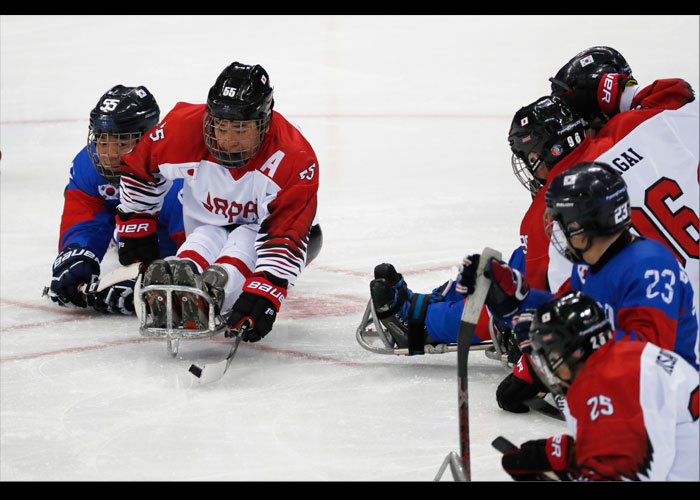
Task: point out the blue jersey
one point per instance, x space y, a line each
645 293
90 207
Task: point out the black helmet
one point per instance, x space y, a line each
592 61
123 114
589 198
566 330
547 127
241 93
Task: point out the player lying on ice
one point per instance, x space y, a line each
249 207
121 118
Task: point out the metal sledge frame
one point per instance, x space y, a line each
170 333
369 320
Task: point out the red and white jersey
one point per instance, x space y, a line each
655 148
276 191
633 410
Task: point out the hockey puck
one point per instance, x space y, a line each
196 371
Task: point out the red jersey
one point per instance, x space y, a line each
276 190
655 148
633 410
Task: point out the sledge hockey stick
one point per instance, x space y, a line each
214 371
503 445
470 316
539 404
122 273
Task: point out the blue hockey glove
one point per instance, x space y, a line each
521 329
73 267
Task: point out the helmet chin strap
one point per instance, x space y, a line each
574 254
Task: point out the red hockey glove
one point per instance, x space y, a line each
555 454
258 304
610 91
508 289
138 241
596 93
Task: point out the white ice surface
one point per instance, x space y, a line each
408 116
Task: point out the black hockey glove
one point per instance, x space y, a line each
513 390
138 241
258 304
117 299
73 267
556 454
465 283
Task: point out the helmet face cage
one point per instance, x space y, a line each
117 123
113 146
565 331
523 172
246 138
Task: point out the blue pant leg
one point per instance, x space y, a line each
443 319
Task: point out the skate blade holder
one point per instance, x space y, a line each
371 331
174 333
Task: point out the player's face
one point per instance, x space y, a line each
540 172
241 137
111 147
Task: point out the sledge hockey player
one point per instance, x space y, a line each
652 142
249 206
582 70
119 120
631 407
643 288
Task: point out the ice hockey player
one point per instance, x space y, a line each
644 290
653 144
119 120
631 407
577 80
249 204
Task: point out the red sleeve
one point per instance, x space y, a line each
664 94
78 207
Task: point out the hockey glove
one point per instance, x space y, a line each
508 289
116 299
258 304
521 330
465 283
597 93
555 454
73 267
138 241
517 387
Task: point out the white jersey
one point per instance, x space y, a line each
633 411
